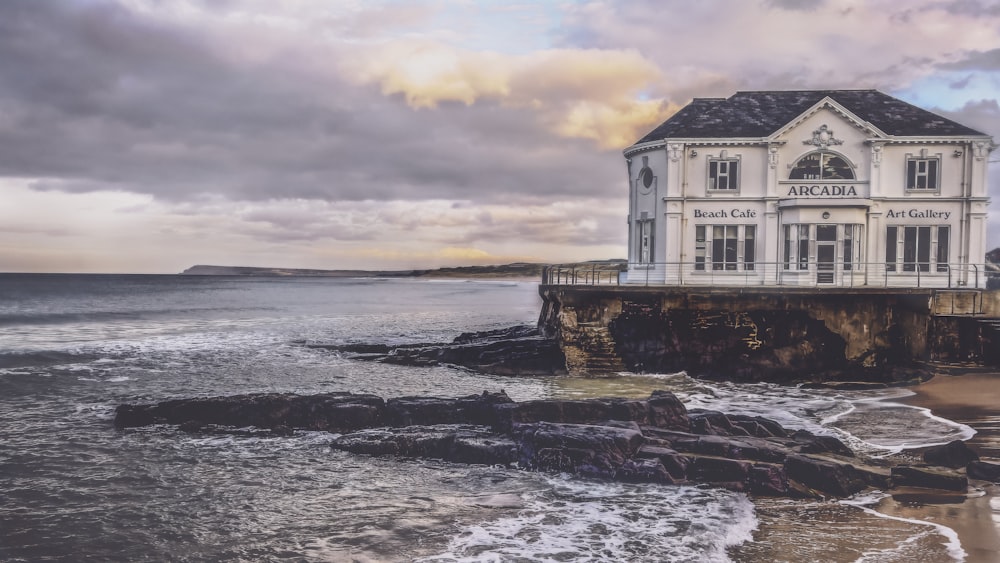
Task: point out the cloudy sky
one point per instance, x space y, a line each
151 135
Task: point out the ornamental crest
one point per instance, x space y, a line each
823 138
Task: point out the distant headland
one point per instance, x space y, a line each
513 270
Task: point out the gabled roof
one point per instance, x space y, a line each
759 114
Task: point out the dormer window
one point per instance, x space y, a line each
822 165
724 173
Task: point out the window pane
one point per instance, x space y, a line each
911 174
848 253
890 249
713 175
826 232
731 234
932 166
803 247
924 248
909 249
788 246
836 168
699 247
718 252
807 168
749 247
942 249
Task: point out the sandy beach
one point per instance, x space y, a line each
972 399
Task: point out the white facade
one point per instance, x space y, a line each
828 199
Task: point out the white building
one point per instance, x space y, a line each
847 188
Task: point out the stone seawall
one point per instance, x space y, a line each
767 334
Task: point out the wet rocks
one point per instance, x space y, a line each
637 440
984 471
828 476
591 450
954 454
520 350
474 409
661 409
908 476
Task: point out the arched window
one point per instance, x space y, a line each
822 165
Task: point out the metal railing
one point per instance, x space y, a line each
793 274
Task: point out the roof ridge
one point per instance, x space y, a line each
810 90
758 113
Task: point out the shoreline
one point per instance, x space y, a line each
972 399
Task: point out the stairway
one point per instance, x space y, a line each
591 351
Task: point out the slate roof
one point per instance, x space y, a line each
759 114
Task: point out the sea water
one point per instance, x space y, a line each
73 347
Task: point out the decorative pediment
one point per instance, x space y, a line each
823 137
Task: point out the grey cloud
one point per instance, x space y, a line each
796 5
96 97
976 60
960 84
984 115
974 8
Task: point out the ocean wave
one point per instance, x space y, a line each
911 549
581 520
45 358
90 316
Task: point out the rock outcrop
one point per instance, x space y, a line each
638 440
520 350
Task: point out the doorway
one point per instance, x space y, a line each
826 253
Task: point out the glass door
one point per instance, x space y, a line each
826 253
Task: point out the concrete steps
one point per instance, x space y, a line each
591 351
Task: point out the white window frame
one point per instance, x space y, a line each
732 180
646 236
934 265
705 249
923 161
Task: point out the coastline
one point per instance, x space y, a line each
972 399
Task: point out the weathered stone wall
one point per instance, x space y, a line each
750 335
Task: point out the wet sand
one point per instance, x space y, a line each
972 399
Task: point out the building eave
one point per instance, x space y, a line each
700 142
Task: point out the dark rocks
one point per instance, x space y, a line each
984 471
954 454
809 443
638 440
906 476
827 476
732 474
520 350
644 471
769 480
675 464
597 451
662 410
474 409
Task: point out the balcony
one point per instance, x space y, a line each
816 275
